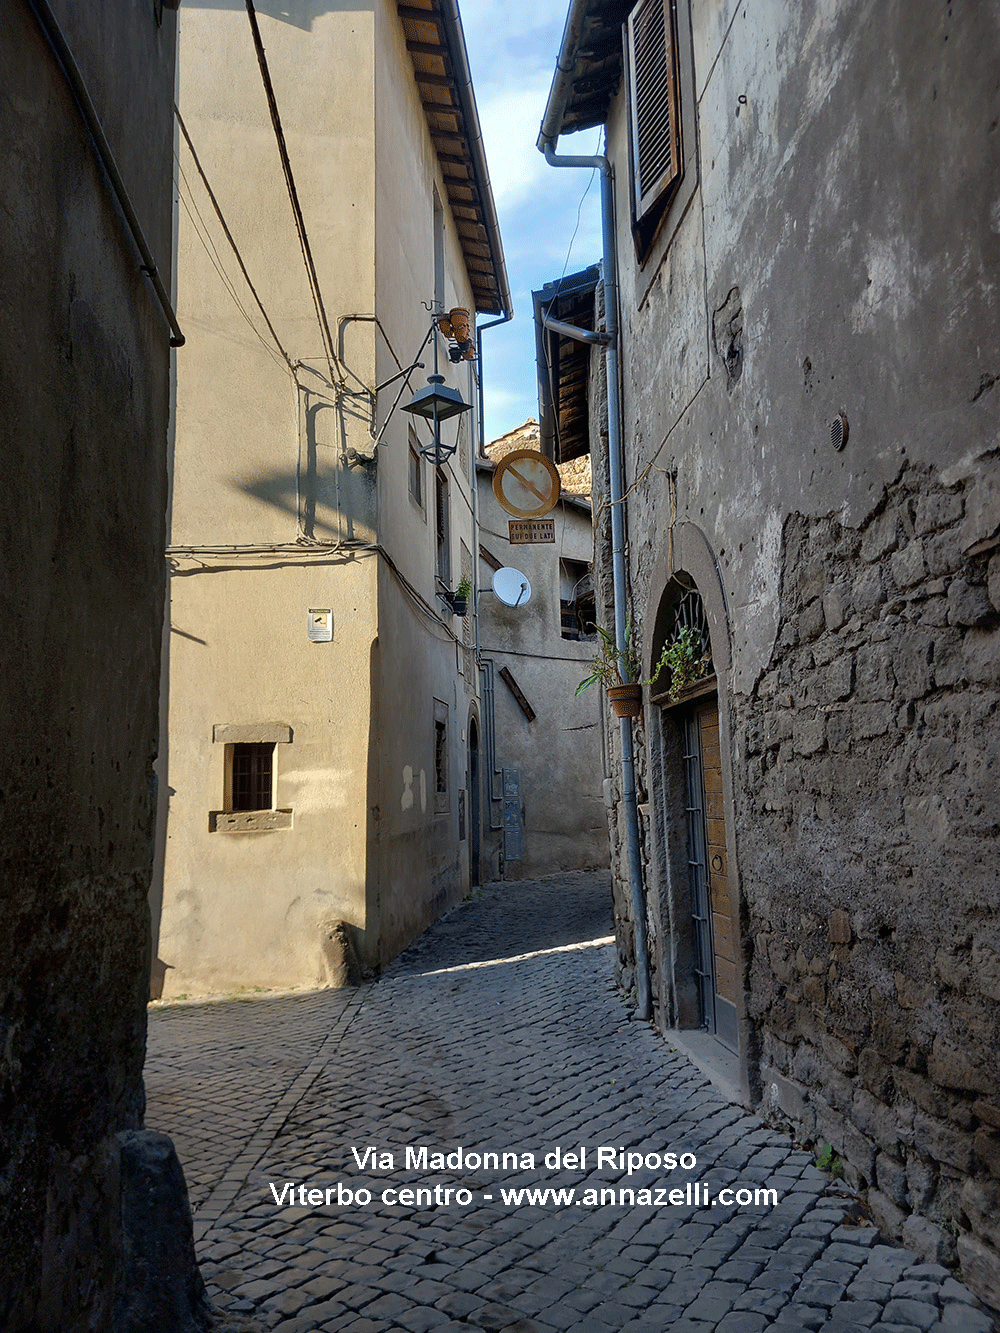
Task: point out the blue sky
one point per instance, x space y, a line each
512 50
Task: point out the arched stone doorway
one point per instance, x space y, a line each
693 878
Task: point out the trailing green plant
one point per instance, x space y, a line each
827 1160
613 666
684 659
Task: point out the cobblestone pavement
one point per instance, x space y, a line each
501 1030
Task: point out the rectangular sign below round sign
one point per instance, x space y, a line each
531 531
320 624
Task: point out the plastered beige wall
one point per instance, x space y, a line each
247 909
260 460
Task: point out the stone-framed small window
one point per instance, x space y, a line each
250 778
442 801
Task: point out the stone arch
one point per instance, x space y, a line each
688 553
686 569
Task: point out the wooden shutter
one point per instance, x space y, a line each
442 525
653 93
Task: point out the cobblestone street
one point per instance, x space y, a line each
501 1030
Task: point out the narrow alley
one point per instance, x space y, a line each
501 1031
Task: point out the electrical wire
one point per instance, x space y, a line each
216 260
300 223
225 227
323 550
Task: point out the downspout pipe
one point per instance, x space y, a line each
46 20
546 144
485 665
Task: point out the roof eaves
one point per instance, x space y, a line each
459 144
551 299
588 68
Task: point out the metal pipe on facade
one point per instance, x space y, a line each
46 20
486 669
593 336
546 144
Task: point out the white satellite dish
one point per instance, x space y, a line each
511 586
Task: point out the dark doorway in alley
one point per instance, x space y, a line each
694 861
475 805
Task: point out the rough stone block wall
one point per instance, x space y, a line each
867 762
604 602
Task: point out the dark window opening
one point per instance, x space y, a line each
441 799
252 779
576 600
416 471
442 530
440 757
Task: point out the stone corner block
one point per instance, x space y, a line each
161 1286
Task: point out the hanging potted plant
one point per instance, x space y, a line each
618 671
686 661
459 599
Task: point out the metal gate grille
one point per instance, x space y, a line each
701 911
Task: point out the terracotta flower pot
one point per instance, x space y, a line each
626 700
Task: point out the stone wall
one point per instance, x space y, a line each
868 828
83 433
796 286
867 811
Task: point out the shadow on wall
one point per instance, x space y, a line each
299 13
336 502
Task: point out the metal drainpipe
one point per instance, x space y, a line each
610 269
46 20
485 665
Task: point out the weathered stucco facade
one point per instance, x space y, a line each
556 817
84 389
295 491
817 273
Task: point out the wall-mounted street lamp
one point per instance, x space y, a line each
436 403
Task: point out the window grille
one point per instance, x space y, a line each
252 776
440 757
689 613
442 799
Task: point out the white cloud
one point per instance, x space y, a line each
513 48
510 121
